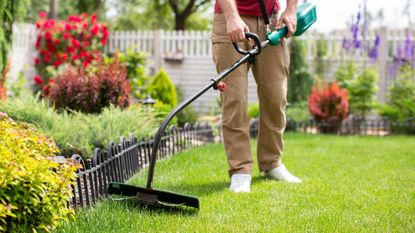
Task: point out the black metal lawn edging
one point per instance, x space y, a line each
378 127
120 161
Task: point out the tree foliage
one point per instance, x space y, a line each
160 14
10 11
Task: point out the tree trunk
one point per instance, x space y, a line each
53 9
180 21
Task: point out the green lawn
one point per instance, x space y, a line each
350 184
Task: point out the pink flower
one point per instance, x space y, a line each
95 30
66 35
38 80
57 63
75 43
37 61
46 90
43 14
64 56
48 36
85 64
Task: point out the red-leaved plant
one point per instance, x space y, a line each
89 92
77 41
329 106
3 89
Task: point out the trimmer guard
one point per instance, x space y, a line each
153 196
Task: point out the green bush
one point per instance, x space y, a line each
34 190
162 88
135 62
253 110
401 104
298 112
187 115
345 73
161 110
300 80
80 133
361 88
362 91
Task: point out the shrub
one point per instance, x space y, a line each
345 73
80 133
34 190
298 112
78 41
253 110
90 92
162 88
135 62
328 106
3 89
361 88
161 110
300 80
187 115
361 92
401 104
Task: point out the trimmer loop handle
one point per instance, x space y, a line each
249 35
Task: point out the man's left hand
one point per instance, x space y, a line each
289 18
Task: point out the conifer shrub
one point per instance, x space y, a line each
162 88
34 190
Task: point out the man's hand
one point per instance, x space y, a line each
289 18
236 28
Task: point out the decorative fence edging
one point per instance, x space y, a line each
121 161
379 127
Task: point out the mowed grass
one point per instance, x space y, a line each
350 184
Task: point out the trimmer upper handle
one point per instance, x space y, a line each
249 35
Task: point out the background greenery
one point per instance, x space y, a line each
76 132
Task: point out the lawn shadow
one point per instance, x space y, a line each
203 189
132 203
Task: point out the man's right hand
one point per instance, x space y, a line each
236 29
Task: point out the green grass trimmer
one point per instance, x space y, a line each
306 16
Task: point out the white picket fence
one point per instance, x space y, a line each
187 55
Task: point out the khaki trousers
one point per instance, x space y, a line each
270 72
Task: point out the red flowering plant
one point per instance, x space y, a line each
329 106
77 41
77 89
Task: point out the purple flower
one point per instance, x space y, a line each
346 44
408 48
373 53
377 41
393 69
358 44
399 59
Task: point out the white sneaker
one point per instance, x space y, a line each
240 183
281 173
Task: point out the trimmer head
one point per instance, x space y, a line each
151 196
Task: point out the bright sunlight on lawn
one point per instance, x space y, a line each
351 184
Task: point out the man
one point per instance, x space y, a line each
231 20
